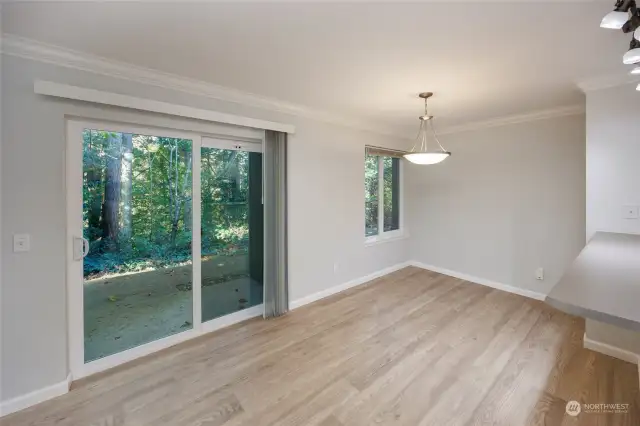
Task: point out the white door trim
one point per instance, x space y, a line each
75 300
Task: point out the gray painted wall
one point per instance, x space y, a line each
326 209
613 150
613 180
510 199
618 337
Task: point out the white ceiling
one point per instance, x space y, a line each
366 61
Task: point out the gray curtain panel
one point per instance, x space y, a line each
276 287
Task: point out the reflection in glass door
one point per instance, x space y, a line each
231 227
137 220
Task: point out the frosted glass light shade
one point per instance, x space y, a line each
427 157
632 56
635 71
614 20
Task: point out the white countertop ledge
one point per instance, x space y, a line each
603 283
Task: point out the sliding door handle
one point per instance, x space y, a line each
85 247
80 248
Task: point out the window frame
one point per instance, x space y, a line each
382 235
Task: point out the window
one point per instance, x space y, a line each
381 194
371 181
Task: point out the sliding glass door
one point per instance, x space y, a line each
136 214
232 227
166 239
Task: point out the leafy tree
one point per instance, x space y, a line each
371 184
138 201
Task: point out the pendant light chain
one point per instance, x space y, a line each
421 137
435 136
420 153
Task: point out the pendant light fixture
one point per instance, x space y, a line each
615 20
633 54
626 16
420 153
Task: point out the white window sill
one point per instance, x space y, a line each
386 237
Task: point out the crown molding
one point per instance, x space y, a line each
517 118
607 81
37 51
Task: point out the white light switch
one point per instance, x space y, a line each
540 274
21 243
630 212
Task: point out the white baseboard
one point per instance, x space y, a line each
482 281
614 351
345 286
25 401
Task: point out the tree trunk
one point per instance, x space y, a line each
111 192
187 215
187 199
126 178
207 201
94 181
180 197
151 211
234 176
94 188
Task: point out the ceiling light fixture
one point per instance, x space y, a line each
633 55
420 153
615 20
633 23
626 16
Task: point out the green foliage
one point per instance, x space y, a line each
390 190
156 196
371 173
234 234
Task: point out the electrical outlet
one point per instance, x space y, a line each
540 274
336 266
630 212
21 243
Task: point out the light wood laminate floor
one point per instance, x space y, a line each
412 348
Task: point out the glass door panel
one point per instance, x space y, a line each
137 219
232 230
